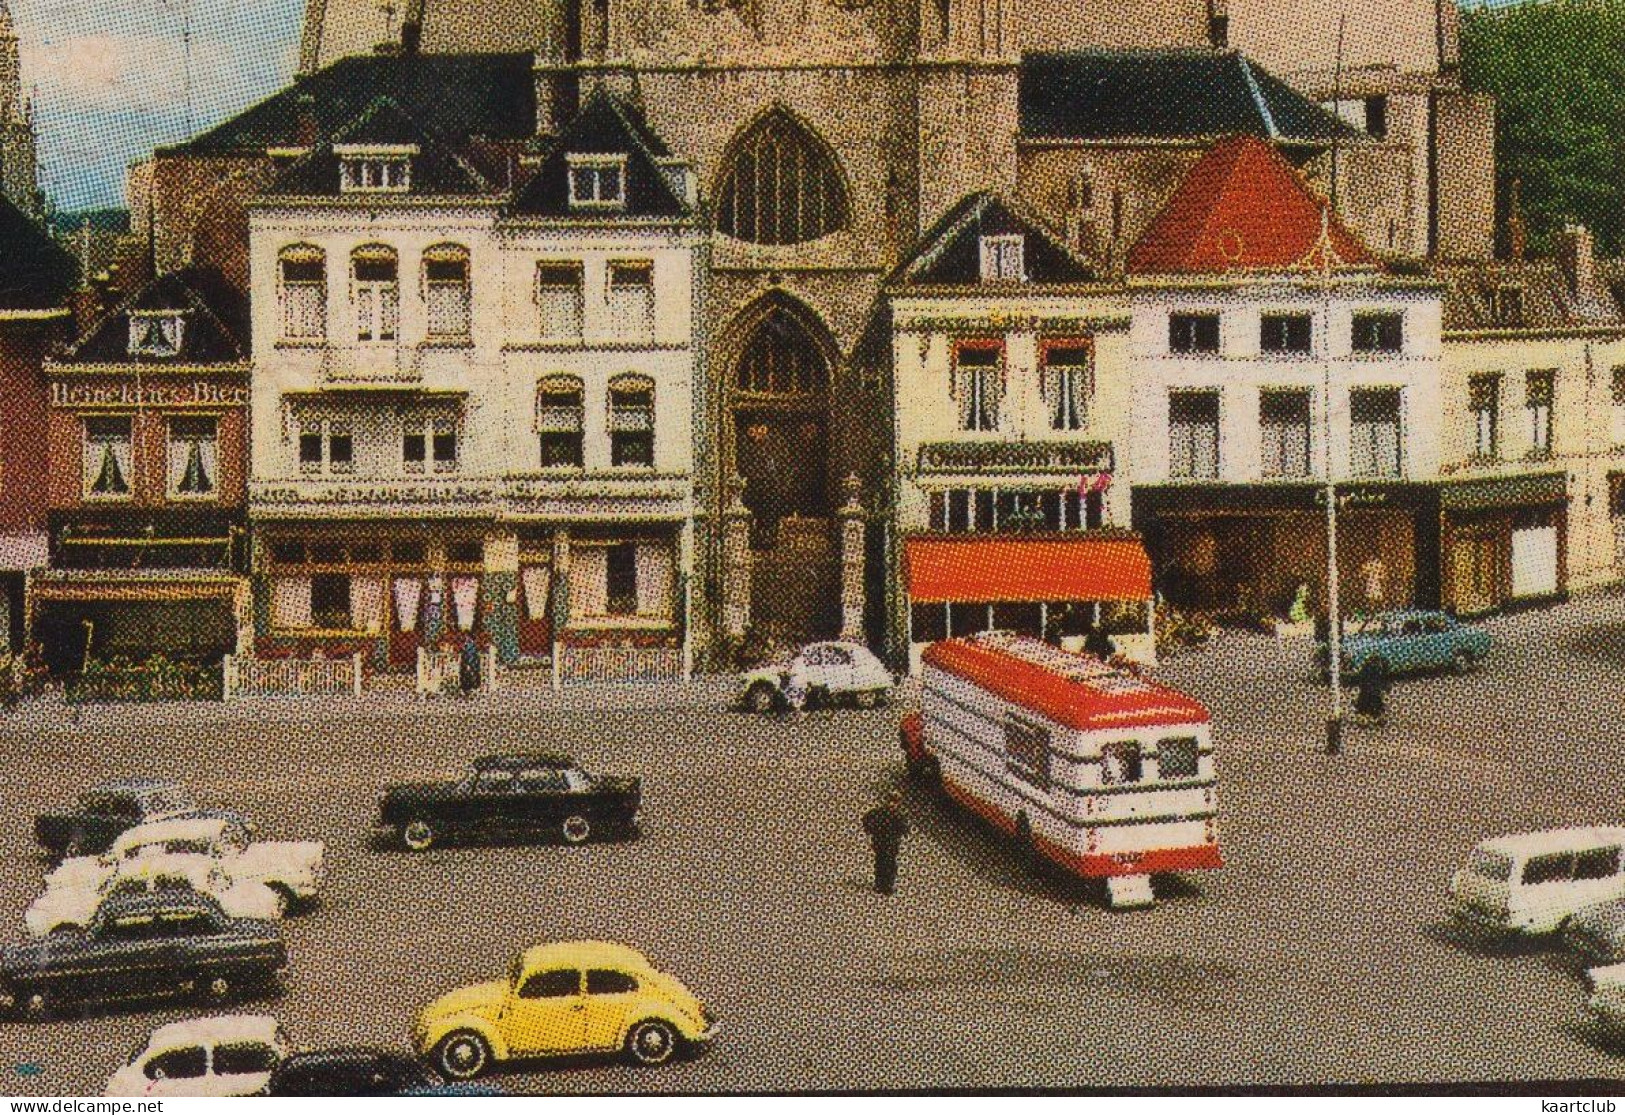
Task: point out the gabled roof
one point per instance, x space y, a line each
1165 94
436 169
216 330
950 252
1243 207
605 125
35 271
491 95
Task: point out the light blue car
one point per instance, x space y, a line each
1409 642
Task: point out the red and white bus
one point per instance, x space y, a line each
1094 768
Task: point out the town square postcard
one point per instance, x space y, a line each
812 548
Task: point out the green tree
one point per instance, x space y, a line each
1557 70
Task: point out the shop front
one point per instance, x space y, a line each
1052 587
190 617
1243 552
1505 540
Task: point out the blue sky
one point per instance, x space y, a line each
109 79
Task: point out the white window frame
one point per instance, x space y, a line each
171 326
95 449
325 427
375 304
592 165
1003 258
577 295
366 168
301 254
460 291
210 459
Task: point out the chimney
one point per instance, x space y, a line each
1517 229
1576 256
411 37
1218 24
306 131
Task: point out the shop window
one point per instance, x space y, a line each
1283 418
978 384
302 292
157 335
1003 258
621 579
632 300
928 623
1539 390
632 421
1193 333
465 553
1484 401
375 293
1382 332
1374 432
597 181
328 553
559 421
446 291
1120 763
1177 758
107 458
330 601
1193 433
558 300
1286 334
1066 383
780 184
1027 510
193 457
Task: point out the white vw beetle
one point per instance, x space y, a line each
215 853
831 671
227 1055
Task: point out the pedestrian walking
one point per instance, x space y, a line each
886 825
1370 695
468 666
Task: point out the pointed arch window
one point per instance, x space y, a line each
782 358
781 185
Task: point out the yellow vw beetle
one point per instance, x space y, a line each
564 998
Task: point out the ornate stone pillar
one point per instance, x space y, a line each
852 530
736 560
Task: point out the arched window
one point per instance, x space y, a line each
375 292
446 290
780 185
632 420
302 292
782 358
558 421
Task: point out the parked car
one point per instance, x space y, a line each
833 671
531 796
364 1072
107 810
1597 933
227 1055
68 907
570 997
1536 882
140 947
1409 642
1606 1002
214 843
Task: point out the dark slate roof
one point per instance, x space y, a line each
35 271
490 95
437 169
1545 300
217 323
605 125
1165 94
949 254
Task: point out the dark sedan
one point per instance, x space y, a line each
363 1072
139 947
512 796
107 810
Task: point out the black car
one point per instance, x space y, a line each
165 943
529 796
361 1072
104 812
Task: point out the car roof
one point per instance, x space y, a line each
1575 839
218 1028
522 761
176 828
585 954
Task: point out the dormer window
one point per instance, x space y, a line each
364 168
597 181
157 335
1003 259
1506 305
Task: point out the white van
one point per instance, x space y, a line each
1534 882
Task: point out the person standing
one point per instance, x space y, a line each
1371 691
468 666
886 825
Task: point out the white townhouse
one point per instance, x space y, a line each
472 394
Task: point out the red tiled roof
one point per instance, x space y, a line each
1242 207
